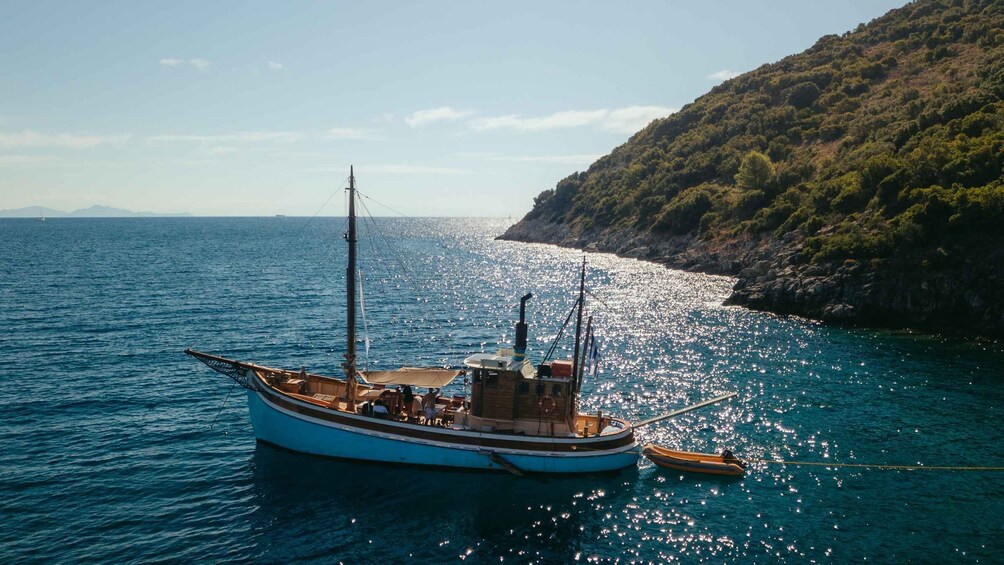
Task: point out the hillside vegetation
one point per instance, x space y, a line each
877 152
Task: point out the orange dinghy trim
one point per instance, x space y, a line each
708 463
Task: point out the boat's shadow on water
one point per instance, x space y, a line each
353 510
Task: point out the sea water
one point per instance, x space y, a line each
115 446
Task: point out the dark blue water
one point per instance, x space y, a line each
108 452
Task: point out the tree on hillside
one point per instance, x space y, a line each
756 171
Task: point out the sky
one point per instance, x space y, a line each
444 108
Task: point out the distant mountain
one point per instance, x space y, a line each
96 211
32 212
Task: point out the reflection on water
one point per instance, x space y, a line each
107 439
311 507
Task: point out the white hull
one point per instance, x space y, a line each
292 429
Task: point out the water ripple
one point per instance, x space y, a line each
108 453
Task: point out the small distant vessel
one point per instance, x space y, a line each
713 464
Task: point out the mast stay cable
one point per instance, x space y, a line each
377 237
561 332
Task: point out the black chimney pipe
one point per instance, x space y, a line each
520 348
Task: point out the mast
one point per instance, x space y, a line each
578 321
350 299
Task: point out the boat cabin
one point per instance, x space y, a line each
511 395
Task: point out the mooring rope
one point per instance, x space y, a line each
917 467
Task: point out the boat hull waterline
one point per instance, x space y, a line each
298 426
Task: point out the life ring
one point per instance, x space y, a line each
547 404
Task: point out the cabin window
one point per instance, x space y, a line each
491 379
540 389
556 390
477 375
524 387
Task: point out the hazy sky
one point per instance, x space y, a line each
444 108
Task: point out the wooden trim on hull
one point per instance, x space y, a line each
444 436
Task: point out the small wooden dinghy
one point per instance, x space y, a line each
709 463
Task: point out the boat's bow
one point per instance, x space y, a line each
236 370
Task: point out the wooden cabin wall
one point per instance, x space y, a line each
507 395
477 392
528 403
497 402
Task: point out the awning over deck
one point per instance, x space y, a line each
414 376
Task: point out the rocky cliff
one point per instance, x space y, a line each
857 182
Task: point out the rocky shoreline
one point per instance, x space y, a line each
775 275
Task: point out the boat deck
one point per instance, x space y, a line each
446 408
328 392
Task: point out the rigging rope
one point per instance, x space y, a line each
382 204
211 426
375 256
375 201
557 338
597 298
293 237
341 188
395 268
390 248
374 253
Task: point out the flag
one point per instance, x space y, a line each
593 356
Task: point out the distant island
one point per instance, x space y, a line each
857 182
95 211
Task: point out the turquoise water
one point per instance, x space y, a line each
109 452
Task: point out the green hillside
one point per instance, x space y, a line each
883 146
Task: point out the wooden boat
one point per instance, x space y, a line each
709 463
518 417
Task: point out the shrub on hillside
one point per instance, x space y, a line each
684 212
